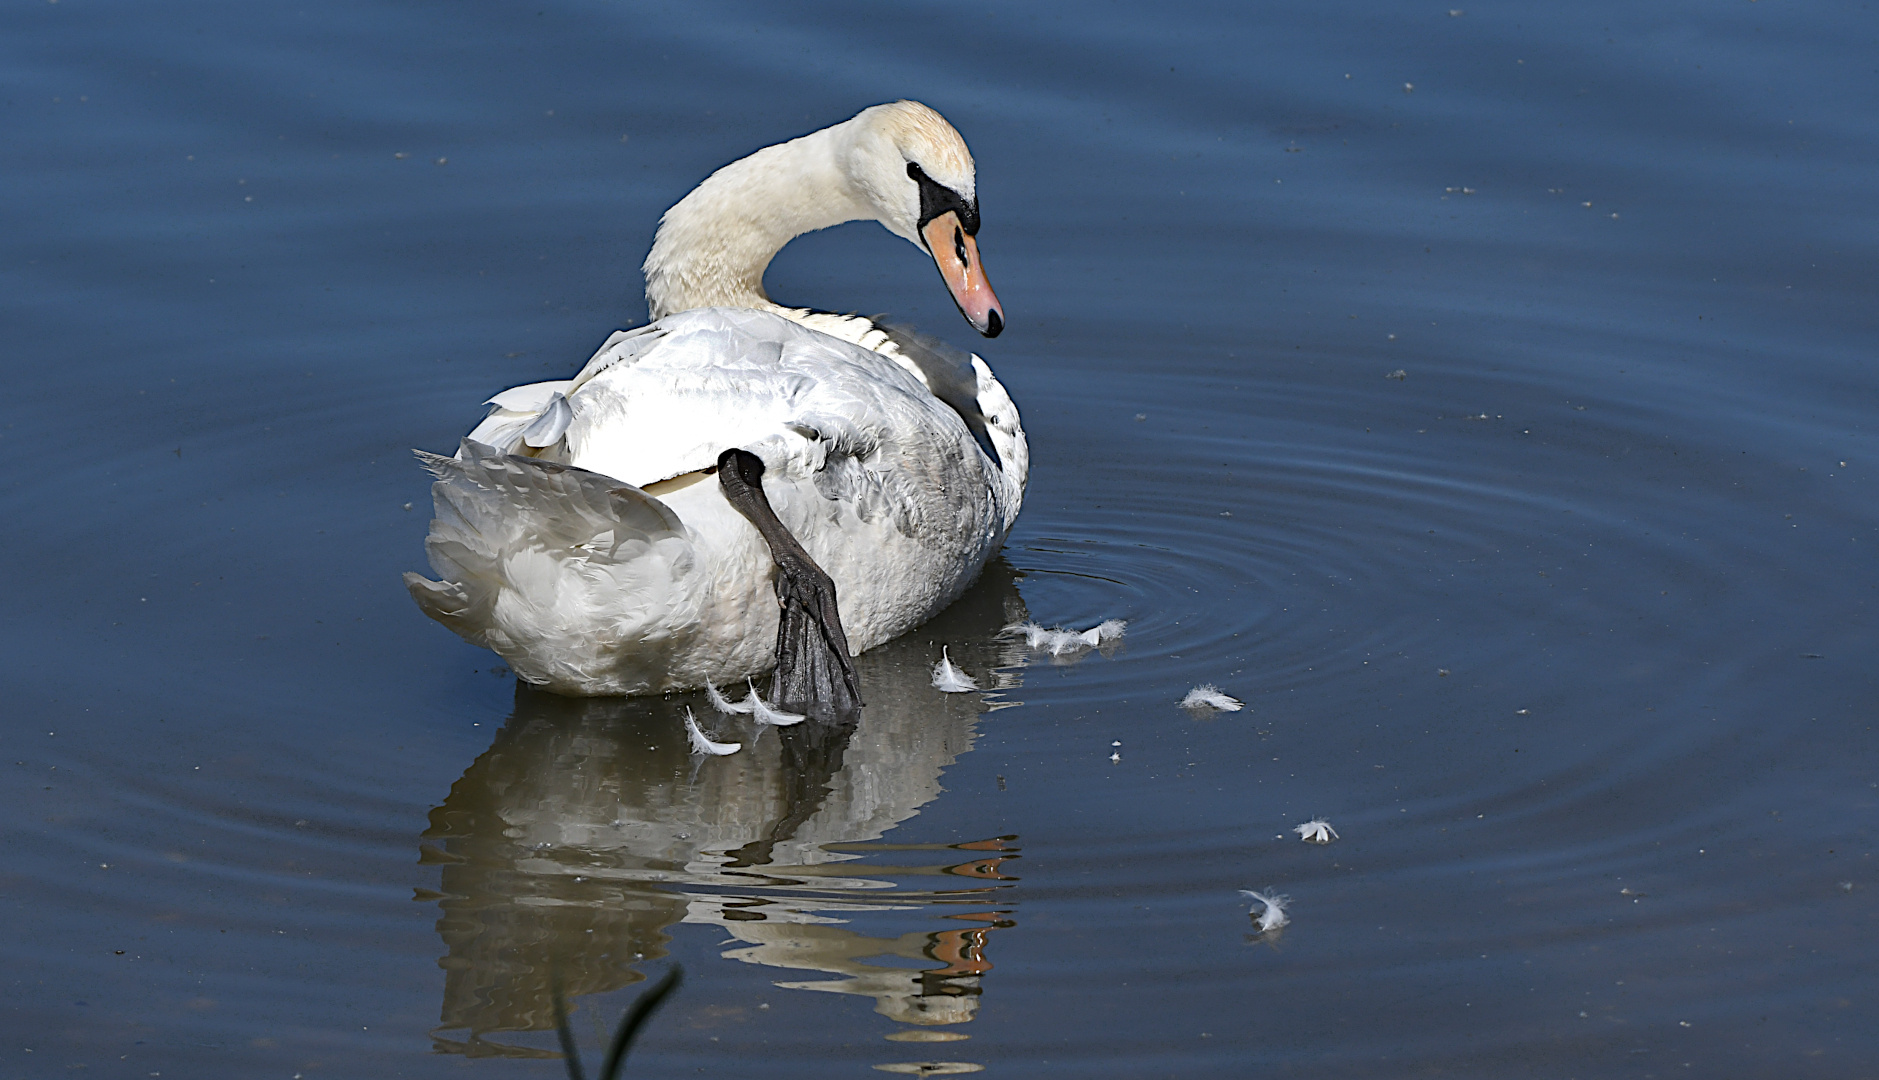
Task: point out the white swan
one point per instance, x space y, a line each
579 531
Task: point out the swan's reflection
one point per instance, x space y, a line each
587 829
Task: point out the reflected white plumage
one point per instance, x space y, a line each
580 532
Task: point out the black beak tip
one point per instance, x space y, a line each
994 324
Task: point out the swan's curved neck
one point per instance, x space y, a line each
714 245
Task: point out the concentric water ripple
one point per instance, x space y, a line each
1434 645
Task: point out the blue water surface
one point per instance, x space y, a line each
1484 396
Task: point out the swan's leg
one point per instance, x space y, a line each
814 674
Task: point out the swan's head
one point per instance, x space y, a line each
916 171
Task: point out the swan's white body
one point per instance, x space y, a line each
631 572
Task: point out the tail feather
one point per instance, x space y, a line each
439 599
489 493
513 533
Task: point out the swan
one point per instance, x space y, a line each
737 485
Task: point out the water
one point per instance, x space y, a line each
1567 631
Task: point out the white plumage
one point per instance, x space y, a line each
588 583
1209 696
581 532
949 679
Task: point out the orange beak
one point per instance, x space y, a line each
957 256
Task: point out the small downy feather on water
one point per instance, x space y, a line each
753 706
726 705
1209 696
1060 641
1273 916
1316 831
949 679
703 745
764 712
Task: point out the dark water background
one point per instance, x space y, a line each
264 819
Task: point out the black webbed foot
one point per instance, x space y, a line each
814 674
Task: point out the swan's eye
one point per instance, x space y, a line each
959 247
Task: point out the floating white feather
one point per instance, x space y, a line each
764 712
1316 831
703 745
1060 641
1209 696
949 679
1273 914
1034 635
724 704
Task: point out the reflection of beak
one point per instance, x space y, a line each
958 258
